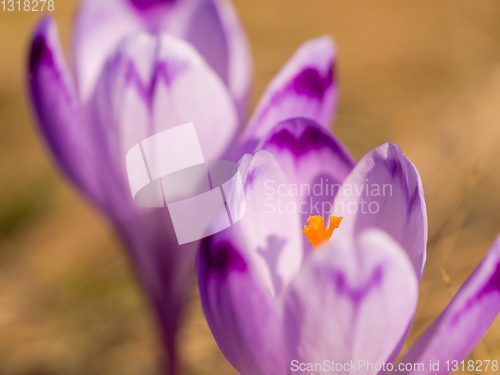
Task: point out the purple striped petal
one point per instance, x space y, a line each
239 310
217 33
99 27
348 296
305 87
465 320
243 270
270 231
384 191
193 93
306 151
59 112
311 157
155 83
212 26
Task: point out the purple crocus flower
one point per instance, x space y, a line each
132 84
277 306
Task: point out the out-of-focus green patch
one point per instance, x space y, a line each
24 207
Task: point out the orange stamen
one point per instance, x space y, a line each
317 233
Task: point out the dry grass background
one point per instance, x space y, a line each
422 73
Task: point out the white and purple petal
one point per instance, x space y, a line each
265 229
215 30
305 87
384 191
242 271
240 310
271 234
306 151
351 302
310 156
155 83
462 324
99 28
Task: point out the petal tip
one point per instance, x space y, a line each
40 50
302 135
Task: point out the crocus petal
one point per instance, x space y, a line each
217 33
384 191
239 309
155 83
212 26
311 158
271 234
99 28
307 151
58 110
305 87
465 320
347 297
242 269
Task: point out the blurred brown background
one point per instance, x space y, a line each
422 73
